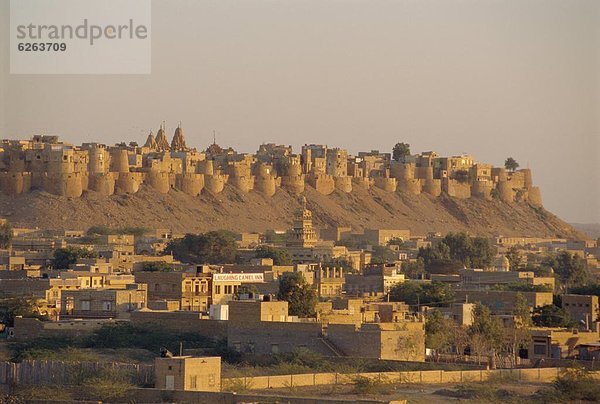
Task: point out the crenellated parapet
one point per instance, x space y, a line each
323 183
482 189
215 183
15 183
189 183
432 187
456 188
104 184
43 163
388 184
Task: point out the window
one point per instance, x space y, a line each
85 305
539 349
193 381
274 348
211 379
218 289
106 305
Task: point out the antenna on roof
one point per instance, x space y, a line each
214 137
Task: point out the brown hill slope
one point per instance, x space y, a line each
252 212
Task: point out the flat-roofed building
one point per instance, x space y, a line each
384 236
191 289
502 302
375 279
103 303
186 373
585 309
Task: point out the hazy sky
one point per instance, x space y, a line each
492 78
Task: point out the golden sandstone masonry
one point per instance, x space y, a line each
45 163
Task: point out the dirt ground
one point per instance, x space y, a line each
236 211
421 393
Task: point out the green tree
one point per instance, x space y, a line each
486 332
463 176
280 256
551 316
18 306
482 252
514 258
396 241
428 294
245 289
519 333
6 235
590 289
570 269
437 331
436 259
382 255
301 296
457 250
213 247
511 164
522 287
413 269
400 151
157 266
64 257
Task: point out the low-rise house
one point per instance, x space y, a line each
558 343
384 236
329 281
186 373
585 309
375 279
192 290
461 313
502 302
103 303
266 328
479 279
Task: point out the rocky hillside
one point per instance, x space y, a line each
236 211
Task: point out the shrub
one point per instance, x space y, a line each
366 385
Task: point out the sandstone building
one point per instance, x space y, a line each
45 163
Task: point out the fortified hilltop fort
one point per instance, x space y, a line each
45 163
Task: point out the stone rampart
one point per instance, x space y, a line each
128 183
456 189
293 183
432 187
323 183
190 183
15 183
215 183
343 184
482 189
102 183
387 184
63 184
159 181
410 186
505 191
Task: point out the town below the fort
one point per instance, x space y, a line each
150 315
